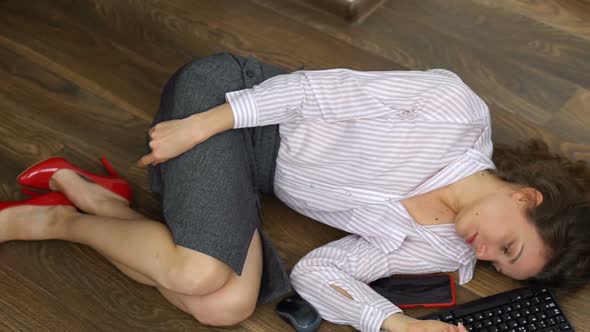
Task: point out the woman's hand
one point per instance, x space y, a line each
402 323
433 326
169 139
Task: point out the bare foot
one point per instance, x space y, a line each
32 222
87 196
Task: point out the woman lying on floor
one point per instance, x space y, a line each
399 159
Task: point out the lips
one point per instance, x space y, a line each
471 239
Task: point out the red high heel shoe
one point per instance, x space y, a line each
52 198
38 175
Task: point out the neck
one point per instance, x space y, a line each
471 189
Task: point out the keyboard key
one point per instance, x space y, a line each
550 322
549 305
506 308
479 316
488 322
447 316
541 324
565 327
559 319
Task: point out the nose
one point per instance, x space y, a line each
482 253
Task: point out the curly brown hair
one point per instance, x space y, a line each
563 217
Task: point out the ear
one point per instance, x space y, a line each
529 195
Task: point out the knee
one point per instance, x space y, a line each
201 85
197 276
225 310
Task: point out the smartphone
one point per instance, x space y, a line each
425 290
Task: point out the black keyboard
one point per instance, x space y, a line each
519 310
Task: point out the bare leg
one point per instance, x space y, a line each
230 304
143 246
94 199
234 301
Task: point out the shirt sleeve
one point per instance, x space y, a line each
334 95
349 263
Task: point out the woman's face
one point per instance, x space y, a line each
498 230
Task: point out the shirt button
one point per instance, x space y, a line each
348 193
250 73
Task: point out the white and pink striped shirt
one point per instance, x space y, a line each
353 145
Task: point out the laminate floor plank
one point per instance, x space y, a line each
236 26
516 39
42 311
69 110
78 54
570 16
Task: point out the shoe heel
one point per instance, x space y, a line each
107 165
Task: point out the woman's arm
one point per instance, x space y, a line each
334 278
169 139
342 95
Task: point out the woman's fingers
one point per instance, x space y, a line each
169 139
146 160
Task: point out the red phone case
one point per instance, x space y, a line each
433 305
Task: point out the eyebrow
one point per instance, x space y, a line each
512 261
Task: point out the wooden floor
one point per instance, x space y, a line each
82 79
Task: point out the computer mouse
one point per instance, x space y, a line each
300 313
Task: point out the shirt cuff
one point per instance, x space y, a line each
374 314
243 106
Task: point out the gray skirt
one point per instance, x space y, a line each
211 193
